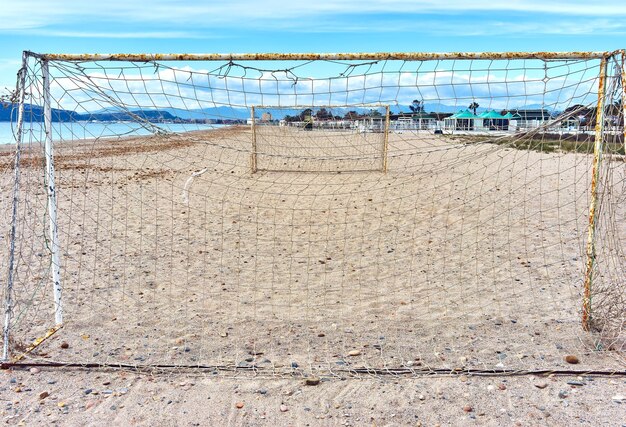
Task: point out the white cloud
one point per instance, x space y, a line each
490 28
294 15
10 63
122 34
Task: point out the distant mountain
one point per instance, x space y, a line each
148 115
443 108
243 113
212 113
34 113
9 111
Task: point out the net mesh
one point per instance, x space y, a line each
325 217
320 139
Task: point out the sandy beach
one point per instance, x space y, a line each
461 256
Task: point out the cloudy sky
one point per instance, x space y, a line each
300 26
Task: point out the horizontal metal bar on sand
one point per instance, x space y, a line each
348 371
406 56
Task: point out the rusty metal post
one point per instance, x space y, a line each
386 140
360 56
593 204
253 166
623 52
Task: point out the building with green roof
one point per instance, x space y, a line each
489 120
491 114
461 120
493 120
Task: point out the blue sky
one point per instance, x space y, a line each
300 26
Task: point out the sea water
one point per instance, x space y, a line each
73 131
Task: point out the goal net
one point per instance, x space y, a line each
315 214
320 138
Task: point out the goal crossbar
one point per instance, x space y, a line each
411 56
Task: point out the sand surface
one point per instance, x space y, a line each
319 264
80 398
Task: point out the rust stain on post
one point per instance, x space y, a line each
36 343
623 54
386 139
253 165
404 56
595 177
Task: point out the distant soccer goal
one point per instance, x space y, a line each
320 138
315 214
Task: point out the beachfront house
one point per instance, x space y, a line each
532 118
424 121
463 120
413 121
492 120
370 124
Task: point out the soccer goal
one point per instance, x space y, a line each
315 214
352 138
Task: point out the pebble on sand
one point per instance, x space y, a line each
570 358
354 353
43 395
468 408
239 405
34 370
65 345
283 408
312 381
541 385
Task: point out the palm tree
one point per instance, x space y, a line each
417 106
351 115
473 106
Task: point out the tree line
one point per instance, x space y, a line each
307 115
